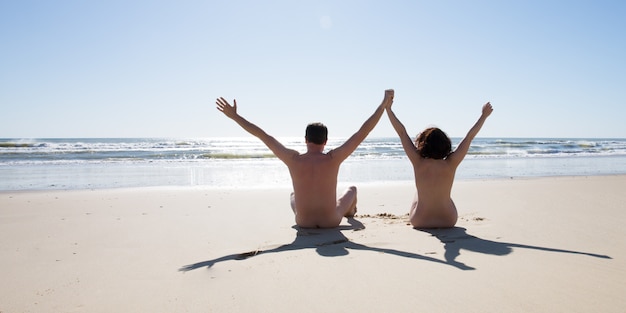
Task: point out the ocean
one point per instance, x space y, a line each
94 163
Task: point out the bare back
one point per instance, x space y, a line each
433 206
314 178
314 174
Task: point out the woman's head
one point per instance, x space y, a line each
433 143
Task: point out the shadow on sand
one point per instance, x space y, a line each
332 242
326 242
456 239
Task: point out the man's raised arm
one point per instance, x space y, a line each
277 148
342 152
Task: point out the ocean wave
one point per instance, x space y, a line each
228 156
18 145
211 149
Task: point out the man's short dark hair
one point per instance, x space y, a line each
316 133
433 143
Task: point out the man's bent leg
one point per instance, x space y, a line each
346 204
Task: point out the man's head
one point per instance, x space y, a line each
433 143
316 133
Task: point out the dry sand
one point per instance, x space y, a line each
522 245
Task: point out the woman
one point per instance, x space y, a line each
434 167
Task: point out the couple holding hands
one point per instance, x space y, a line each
314 173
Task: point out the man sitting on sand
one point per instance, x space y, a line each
314 173
434 167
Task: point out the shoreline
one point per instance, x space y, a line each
521 245
248 173
340 185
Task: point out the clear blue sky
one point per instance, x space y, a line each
154 68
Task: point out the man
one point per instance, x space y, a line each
314 173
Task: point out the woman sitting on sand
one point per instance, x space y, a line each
434 166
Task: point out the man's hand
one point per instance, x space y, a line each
388 98
227 109
487 109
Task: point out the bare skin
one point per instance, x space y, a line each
314 173
433 207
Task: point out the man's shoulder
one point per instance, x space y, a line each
331 155
317 158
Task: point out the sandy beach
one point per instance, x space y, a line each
552 244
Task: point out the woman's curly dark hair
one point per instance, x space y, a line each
433 143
